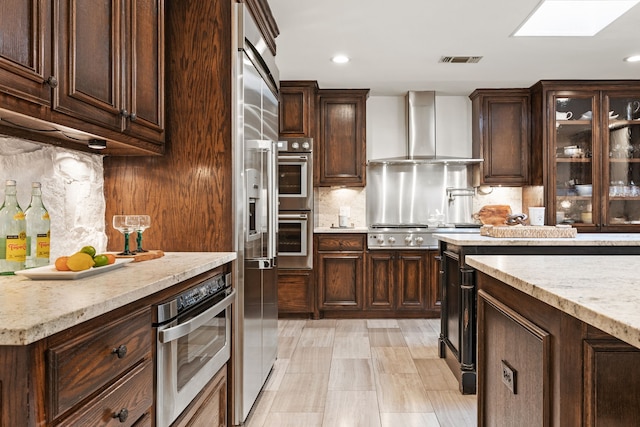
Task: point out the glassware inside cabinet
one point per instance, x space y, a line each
624 161
574 160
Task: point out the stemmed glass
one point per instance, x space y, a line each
144 222
125 224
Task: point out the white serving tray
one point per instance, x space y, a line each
49 272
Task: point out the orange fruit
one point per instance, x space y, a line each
112 258
61 263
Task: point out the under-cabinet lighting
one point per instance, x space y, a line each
573 17
633 58
97 144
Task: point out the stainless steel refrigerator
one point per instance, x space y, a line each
256 215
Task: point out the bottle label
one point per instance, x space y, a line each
19 216
16 247
42 246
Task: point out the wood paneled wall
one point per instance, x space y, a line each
188 191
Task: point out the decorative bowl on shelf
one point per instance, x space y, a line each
584 189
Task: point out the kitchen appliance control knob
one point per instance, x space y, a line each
295 145
380 239
305 145
419 240
408 240
392 240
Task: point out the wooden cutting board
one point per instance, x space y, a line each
528 231
143 256
493 214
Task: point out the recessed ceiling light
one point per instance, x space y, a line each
340 59
633 58
573 17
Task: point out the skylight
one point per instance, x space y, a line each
573 18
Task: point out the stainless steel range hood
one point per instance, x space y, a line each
421 128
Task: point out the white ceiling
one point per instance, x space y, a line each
395 46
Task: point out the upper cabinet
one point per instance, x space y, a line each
98 69
501 135
342 133
298 108
588 152
25 51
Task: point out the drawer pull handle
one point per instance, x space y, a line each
120 351
122 415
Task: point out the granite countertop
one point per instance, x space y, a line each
34 309
600 291
340 230
582 239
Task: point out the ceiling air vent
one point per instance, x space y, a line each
460 59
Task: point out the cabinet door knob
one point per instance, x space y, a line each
124 113
122 415
52 81
120 351
133 116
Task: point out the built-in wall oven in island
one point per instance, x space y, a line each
193 342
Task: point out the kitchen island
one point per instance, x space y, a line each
71 348
457 344
558 340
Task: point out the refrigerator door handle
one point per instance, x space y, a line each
272 183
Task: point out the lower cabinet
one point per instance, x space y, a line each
339 261
296 294
380 283
210 407
539 366
402 281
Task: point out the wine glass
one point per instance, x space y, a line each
144 222
125 224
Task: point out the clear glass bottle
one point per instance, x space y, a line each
13 232
38 229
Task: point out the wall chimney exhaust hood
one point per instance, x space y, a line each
421 128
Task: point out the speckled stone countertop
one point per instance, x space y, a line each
582 239
340 230
600 291
34 309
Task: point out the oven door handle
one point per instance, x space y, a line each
292 216
287 159
172 334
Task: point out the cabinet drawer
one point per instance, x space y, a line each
131 397
80 366
341 242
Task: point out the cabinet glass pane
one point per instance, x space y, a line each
574 160
624 161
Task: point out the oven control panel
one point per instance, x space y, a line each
401 240
203 291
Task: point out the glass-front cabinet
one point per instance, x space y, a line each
594 156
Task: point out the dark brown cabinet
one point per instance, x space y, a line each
297 108
540 366
86 70
587 155
25 51
501 135
296 293
341 149
339 267
402 281
110 64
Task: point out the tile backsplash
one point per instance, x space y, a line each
72 190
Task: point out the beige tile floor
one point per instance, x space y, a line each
361 373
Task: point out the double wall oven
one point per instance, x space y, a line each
295 197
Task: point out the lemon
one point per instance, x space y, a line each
80 261
100 260
88 250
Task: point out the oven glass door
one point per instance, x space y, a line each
190 351
293 176
292 235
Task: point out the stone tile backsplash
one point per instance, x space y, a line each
72 190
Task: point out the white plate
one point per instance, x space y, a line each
49 272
